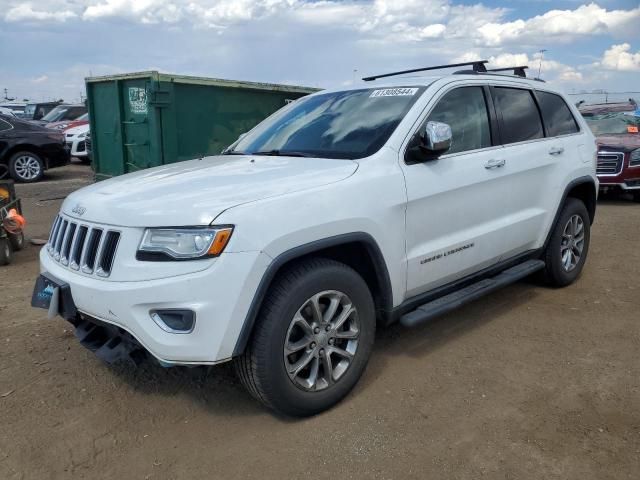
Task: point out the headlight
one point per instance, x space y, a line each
82 135
183 243
635 158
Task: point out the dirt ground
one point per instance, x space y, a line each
528 383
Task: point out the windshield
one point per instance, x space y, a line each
350 124
64 112
55 114
613 123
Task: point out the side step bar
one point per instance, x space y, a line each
474 291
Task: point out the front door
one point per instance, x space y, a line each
457 214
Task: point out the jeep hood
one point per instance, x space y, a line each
197 191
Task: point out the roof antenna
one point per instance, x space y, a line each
541 52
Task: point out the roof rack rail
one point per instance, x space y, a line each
517 71
478 67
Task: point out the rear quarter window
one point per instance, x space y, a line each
520 117
557 116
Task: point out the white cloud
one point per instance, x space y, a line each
24 12
562 24
434 30
387 20
143 11
263 39
40 79
550 69
619 57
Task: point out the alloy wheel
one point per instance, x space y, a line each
321 341
572 243
27 167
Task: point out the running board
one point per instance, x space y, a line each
474 291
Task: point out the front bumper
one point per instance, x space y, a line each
77 147
628 185
219 295
56 156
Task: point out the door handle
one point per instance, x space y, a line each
556 151
495 163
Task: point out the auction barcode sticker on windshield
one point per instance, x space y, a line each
394 92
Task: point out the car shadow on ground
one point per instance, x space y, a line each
217 389
424 340
616 198
214 388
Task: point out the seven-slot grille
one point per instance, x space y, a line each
91 250
609 163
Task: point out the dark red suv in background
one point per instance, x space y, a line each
615 126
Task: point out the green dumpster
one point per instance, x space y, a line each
146 119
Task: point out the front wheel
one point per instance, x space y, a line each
569 244
312 339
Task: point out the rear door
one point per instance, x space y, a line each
535 156
456 208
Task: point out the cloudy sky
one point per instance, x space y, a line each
47 47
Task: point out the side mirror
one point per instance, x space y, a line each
437 137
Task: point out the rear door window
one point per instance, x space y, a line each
557 116
520 116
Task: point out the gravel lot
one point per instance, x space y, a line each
528 383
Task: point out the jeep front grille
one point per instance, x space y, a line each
609 163
86 248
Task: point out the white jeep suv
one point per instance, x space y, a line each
345 211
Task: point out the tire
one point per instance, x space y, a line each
558 271
264 367
85 160
636 197
26 167
6 254
16 240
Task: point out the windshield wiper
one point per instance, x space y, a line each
281 153
233 152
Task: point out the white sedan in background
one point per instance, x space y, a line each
75 141
7 111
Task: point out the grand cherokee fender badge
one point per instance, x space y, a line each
79 210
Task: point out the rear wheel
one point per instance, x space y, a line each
26 167
312 339
569 244
6 253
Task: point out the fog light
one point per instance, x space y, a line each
174 321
